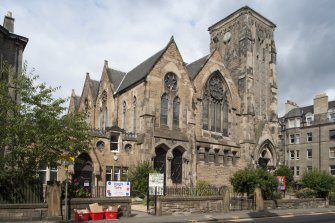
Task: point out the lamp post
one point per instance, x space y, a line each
66 162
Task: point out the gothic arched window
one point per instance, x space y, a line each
176 166
103 111
124 114
215 105
160 160
164 109
176 105
134 114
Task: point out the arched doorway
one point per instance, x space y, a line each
267 156
177 166
83 171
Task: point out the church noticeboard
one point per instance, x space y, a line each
156 184
117 189
281 182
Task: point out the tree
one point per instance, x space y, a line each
35 131
245 181
139 176
320 181
287 172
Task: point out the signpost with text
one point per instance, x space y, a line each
156 187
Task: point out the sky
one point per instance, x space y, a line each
68 38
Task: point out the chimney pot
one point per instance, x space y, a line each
8 22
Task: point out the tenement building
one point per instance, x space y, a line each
11 51
202 120
308 136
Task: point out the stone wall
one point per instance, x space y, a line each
296 203
171 205
82 203
11 212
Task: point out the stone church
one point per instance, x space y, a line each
202 120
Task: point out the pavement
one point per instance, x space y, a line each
140 215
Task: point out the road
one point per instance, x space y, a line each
309 218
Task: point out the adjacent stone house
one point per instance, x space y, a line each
11 51
308 136
202 120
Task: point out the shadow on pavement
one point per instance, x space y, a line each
261 214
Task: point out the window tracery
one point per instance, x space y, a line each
215 105
164 109
170 81
176 105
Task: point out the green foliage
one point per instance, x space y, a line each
287 172
139 178
306 193
319 181
75 189
203 188
245 181
34 129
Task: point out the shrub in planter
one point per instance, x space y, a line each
306 193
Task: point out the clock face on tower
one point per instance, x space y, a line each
226 37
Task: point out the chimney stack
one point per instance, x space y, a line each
8 22
289 105
321 104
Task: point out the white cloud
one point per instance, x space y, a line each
69 38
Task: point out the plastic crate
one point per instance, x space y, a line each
97 215
81 216
111 214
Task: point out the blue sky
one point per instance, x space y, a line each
69 38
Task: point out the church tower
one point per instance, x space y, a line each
245 40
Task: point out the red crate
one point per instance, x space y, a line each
81 216
97 215
111 214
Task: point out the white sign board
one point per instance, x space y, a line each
117 189
156 183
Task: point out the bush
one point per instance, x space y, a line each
75 189
319 181
203 188
287 172
139 178
245 181
305 193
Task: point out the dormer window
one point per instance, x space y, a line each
309 119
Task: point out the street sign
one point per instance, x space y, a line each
156 184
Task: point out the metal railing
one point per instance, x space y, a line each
194 191
21 193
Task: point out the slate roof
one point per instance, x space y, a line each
141 71
76 102
94 85
115 77
296 112
194 67
14 37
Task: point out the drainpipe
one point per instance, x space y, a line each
319 148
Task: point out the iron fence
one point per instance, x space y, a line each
238 203
98 192
194 191
21 193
